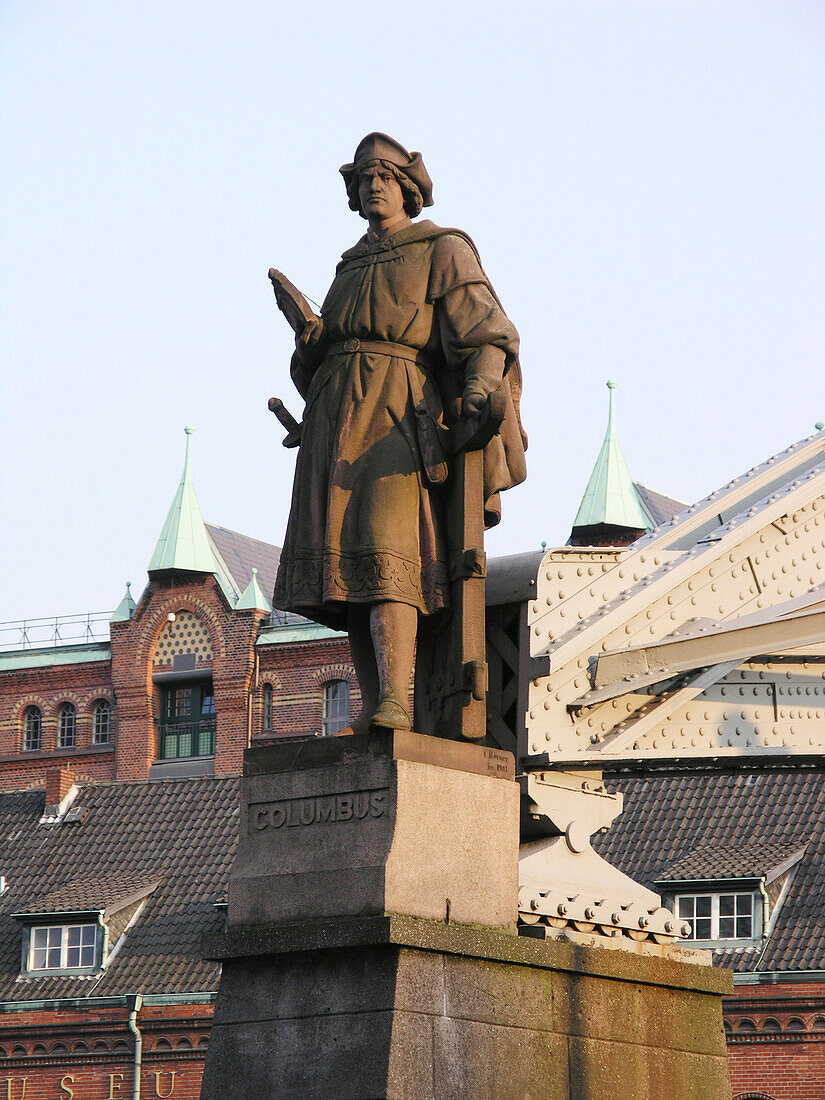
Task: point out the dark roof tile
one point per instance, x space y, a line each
243 554
180 833
751 860
668 818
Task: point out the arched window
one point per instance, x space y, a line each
336 706
66 726
268 704
32 729
101 722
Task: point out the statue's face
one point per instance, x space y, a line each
380 193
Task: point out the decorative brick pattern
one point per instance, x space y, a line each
187 634
776 1041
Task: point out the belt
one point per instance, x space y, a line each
381 347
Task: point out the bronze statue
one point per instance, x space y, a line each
410 344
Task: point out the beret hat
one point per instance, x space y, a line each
378 146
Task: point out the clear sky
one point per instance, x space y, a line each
644 180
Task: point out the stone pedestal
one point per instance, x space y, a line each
388 822
410 1009
371 948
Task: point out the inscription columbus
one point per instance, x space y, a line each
322 810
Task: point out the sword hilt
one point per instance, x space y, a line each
288 421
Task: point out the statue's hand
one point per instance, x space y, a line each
311 335
472 402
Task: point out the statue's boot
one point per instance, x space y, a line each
391 714
393 628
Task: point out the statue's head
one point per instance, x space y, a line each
408 168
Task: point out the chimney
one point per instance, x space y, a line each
58 784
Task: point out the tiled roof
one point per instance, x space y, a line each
242 554
751 860
86 895
668 818
661 508
180 833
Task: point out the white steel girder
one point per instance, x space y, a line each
618 607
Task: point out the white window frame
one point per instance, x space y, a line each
267 718
57 937
67 726
715 897
32 729
335 720
102 728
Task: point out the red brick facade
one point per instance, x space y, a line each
776 1041
131 678
90 1054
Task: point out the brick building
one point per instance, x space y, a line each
119 759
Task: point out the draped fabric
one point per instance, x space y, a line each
365 523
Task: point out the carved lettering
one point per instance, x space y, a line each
324 810
112 1086
67 1088
172 1074
12 1094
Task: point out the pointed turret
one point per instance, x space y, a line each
253 597
126 608
611 512
184 544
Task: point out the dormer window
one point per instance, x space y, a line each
76 929
717 916
63 947
728 897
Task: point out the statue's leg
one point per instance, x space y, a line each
393 627
363 657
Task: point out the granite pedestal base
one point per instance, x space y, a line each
371 950
394 1007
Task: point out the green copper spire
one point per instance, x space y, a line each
253 596
184 542
126 608
610 497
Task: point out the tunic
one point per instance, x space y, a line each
366 522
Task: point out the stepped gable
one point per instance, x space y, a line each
672 819
171 842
